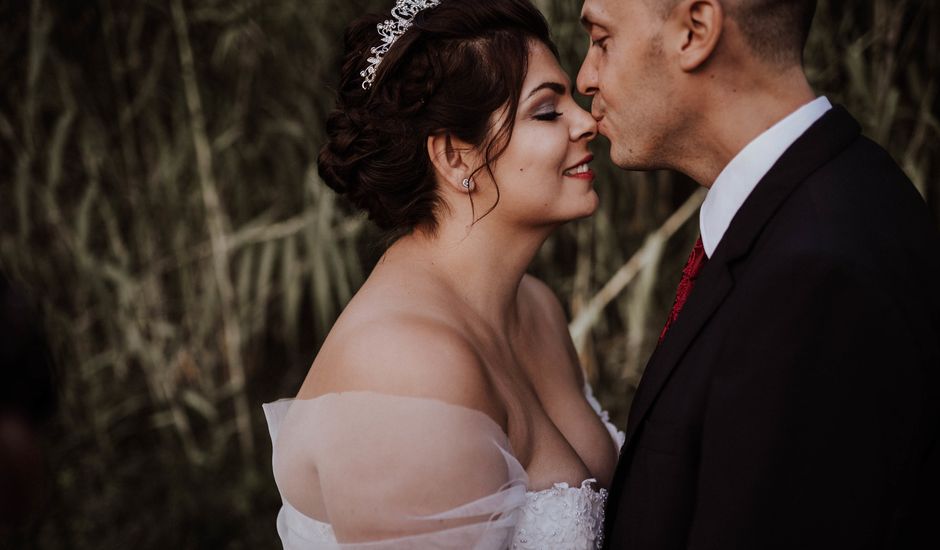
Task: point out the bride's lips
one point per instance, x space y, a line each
581 169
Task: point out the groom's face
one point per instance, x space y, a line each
626 74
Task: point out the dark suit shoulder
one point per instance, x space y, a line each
860 204
858 181
860 217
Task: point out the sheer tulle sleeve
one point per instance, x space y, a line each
377 471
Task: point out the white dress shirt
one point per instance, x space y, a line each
747 168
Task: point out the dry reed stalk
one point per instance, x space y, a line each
650 251
217 223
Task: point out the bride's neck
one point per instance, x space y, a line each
483 267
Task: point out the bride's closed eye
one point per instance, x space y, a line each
545 104
547 116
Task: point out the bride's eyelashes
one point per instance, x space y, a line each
547 116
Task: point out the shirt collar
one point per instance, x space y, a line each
748 167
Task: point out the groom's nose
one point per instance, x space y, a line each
587 77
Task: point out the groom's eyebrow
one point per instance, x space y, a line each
559 89
587 22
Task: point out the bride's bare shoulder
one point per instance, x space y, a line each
402 352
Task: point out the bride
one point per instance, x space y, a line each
446 408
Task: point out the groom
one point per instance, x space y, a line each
794 398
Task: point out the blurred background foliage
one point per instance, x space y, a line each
159 200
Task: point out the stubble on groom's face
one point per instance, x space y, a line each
626 75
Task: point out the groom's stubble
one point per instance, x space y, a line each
685 84
636 91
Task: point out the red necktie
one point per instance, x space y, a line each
693 266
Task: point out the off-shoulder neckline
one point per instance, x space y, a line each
335 394
311 400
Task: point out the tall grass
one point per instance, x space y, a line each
158 195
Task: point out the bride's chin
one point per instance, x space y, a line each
582 216
587 205
593 203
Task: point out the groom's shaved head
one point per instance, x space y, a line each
775 29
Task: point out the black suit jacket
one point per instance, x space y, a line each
795 403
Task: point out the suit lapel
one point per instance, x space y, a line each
830 135
711 288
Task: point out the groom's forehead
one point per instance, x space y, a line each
610 13
594 12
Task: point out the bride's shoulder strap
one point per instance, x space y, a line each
400 469
398 442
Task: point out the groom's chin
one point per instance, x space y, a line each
621 158
604 140
620 154
627 156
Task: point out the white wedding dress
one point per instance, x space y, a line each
414 473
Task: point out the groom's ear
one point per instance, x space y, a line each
451 158
698 25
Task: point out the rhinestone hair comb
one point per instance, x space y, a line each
390 30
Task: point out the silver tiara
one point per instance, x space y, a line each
403 15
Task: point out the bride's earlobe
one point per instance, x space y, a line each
452 160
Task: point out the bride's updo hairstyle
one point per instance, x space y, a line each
458 64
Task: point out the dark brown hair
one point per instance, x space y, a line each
460 62
775 29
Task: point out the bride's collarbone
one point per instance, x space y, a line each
512 363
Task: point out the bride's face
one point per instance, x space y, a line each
543 175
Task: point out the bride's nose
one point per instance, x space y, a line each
584 126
